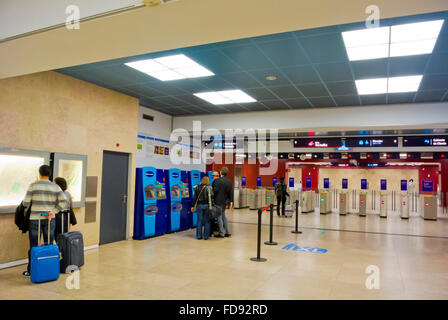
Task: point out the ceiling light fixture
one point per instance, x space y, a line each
271 78
171 68
395 41
225 97
388 85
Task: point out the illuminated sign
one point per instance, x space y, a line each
372 142
317 143
149 174
432 141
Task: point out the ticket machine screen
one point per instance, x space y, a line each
185 192
150 193
175 192
161 192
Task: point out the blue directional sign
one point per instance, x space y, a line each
295 247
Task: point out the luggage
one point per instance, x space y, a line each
71 245
44 265
288 211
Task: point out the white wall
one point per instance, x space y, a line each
160 129
417 115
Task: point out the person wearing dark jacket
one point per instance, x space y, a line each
223 191
64 215
202 201
281 193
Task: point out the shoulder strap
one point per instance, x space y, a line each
199 196
210 205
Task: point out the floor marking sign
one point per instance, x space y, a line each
304 249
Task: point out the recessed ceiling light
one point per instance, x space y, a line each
225 97
400 40
404 84
271 78
388 85
171 68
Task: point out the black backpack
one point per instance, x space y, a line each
279 189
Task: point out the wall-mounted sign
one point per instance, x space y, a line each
363 184
308 183
428 141
344 183
372 142
427 186
383 183
317 142
258 181
274 181
404 185
291 182
243 181
326 183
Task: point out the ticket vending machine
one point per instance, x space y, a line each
186 219
429 207
210 178
151 204
174 200
194 180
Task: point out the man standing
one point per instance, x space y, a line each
281 193
223 194
44 197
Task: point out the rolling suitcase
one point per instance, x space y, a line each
288 211
71 245
44 264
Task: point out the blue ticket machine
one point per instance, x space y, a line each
186 214
195 177
174 199
151 204
210 178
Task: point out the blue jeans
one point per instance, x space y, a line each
203 221
223 224
34 241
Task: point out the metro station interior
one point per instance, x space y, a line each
140 103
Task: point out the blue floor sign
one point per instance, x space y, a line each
304 249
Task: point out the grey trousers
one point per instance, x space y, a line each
223 224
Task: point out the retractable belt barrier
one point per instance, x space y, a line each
271 242
296 230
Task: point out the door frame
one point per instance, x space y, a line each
129 210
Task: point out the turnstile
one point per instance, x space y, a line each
243 198
270 197
293 196
428 209
362 204
404 206
383 205
343 203
252 197
260 198
308 201
237 198
325 202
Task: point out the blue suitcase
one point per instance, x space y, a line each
44 260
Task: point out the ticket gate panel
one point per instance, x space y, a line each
343 203
429 207
362 204
236 198
404 206
383 205
244 198
252 195
308 201
325 202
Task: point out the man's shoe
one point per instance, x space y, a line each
199 238
25 273
227 235
218 236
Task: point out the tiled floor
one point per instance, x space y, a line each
178 266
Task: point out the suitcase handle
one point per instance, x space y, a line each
62 220
46 214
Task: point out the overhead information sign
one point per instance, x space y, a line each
428 141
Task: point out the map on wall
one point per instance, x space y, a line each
71 171
16 174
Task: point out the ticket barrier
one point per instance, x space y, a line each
383 205
308 201
343 203
151 204
293 196
244 201
428 209
261 197
237 198
325 202
404 206
362 204
270 197
252 195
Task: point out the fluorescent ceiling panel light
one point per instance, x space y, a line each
404 84
371 86
366 37
412 48
171 68
370 52
416 31
396 41
225 97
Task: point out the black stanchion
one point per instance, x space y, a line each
271 242
259 258
297 219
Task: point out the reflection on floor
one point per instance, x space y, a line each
178 266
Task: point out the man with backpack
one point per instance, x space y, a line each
281 193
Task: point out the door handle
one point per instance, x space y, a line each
125 198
